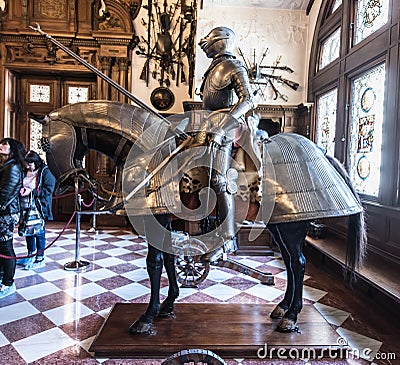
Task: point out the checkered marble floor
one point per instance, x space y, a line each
55 314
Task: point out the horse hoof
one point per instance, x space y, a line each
287 325
278 312
141 327
166 310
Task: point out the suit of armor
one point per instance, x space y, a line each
225 89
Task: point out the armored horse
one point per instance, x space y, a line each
301 182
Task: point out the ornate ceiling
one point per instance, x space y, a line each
269 4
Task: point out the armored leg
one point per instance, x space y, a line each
223 182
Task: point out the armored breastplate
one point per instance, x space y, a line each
217 92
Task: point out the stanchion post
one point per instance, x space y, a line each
78 264
93 228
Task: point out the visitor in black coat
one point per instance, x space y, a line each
12 153
39 182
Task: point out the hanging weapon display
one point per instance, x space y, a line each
170 39
263 76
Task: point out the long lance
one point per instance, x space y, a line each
100 74
178 132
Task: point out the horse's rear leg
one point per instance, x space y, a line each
283 306
292 236
167 306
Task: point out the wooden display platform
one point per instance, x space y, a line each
228 330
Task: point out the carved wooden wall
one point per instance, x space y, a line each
100 31
103 41
291 118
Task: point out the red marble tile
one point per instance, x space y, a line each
11 299
105 247
70 355
114 282
130 256
83 328
101 301
144 299
111 239
70 282
199 298
26 327
123 268
240 283
29 281
8 355
271 269
70 248
62 255
52 301
245 298
280 283
96 256
87 239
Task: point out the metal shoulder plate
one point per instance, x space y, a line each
221 75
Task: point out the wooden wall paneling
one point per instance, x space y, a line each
56 15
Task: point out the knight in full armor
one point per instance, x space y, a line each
226 91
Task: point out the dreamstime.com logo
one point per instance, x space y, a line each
342 351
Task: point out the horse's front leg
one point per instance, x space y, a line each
167 306
154 264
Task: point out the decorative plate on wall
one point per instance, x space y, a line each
368 99
363 167
162 98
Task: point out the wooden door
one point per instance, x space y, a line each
40 94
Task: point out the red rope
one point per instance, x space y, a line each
87 205
48 246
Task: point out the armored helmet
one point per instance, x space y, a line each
219 41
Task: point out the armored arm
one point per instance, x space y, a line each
241 86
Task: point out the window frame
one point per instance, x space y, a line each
356 60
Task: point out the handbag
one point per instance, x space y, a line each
32 220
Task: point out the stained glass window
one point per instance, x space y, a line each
370 16
39 93
326 121
366 130
330 49
35 138
336 5
77 94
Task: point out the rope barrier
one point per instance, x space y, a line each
48 246
62 231
87 205
69 194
